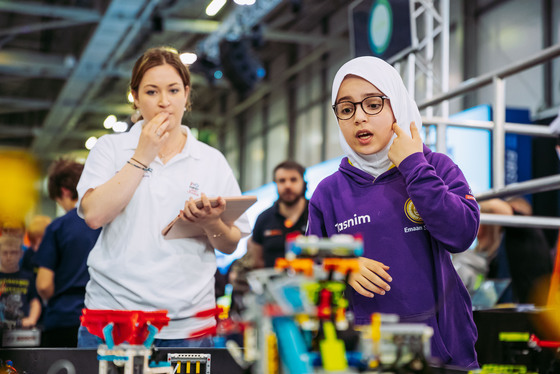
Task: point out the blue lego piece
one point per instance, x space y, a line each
291 346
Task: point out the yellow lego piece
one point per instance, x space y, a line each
333 352
272 354
376 327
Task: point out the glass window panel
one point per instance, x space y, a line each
253 165
277 147
309 137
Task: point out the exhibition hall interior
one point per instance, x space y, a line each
156 108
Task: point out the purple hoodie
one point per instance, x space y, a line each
411 219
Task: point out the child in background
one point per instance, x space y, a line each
413 208
20 305
62 257
35 231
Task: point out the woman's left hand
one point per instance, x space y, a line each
204 214
404 145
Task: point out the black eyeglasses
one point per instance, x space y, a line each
371 105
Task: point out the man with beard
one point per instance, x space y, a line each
287 215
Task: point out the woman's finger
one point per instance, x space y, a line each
205 203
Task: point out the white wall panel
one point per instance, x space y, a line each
508 33
556 61
277 147
232 149
253 168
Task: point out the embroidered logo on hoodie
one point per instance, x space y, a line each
412 213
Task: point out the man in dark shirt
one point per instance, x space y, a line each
287 215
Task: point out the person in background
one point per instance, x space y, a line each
413 208
62 257
13 228
133 185
268 242
19 303
35 231
521 254
286 216
473 265
529 257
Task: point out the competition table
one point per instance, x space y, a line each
84 361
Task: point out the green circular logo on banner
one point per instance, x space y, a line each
380 26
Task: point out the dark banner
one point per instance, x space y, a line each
380 27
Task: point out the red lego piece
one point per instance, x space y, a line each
128 325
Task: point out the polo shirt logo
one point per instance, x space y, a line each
194 188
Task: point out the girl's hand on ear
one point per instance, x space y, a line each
404 145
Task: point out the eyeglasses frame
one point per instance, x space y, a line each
383 98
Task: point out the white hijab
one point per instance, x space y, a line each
387 80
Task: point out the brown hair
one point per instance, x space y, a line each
64 173
155 57
289 165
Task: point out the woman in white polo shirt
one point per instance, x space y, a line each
133 184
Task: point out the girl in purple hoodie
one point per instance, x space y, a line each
413 208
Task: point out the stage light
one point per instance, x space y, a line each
120 126
214 7
91 142
261 72
188 58
240 65
207 68
109 121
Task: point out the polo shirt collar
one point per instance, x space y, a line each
193 147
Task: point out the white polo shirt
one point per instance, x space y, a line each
132 267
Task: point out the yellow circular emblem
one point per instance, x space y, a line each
411 212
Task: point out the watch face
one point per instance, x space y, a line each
380 26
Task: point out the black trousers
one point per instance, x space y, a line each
60 337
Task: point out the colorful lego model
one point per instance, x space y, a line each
524 353
7 367
390 345
128 337
337 246
297 320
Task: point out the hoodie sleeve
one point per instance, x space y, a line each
443 199
315 222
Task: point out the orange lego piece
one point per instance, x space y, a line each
299 265
341 265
